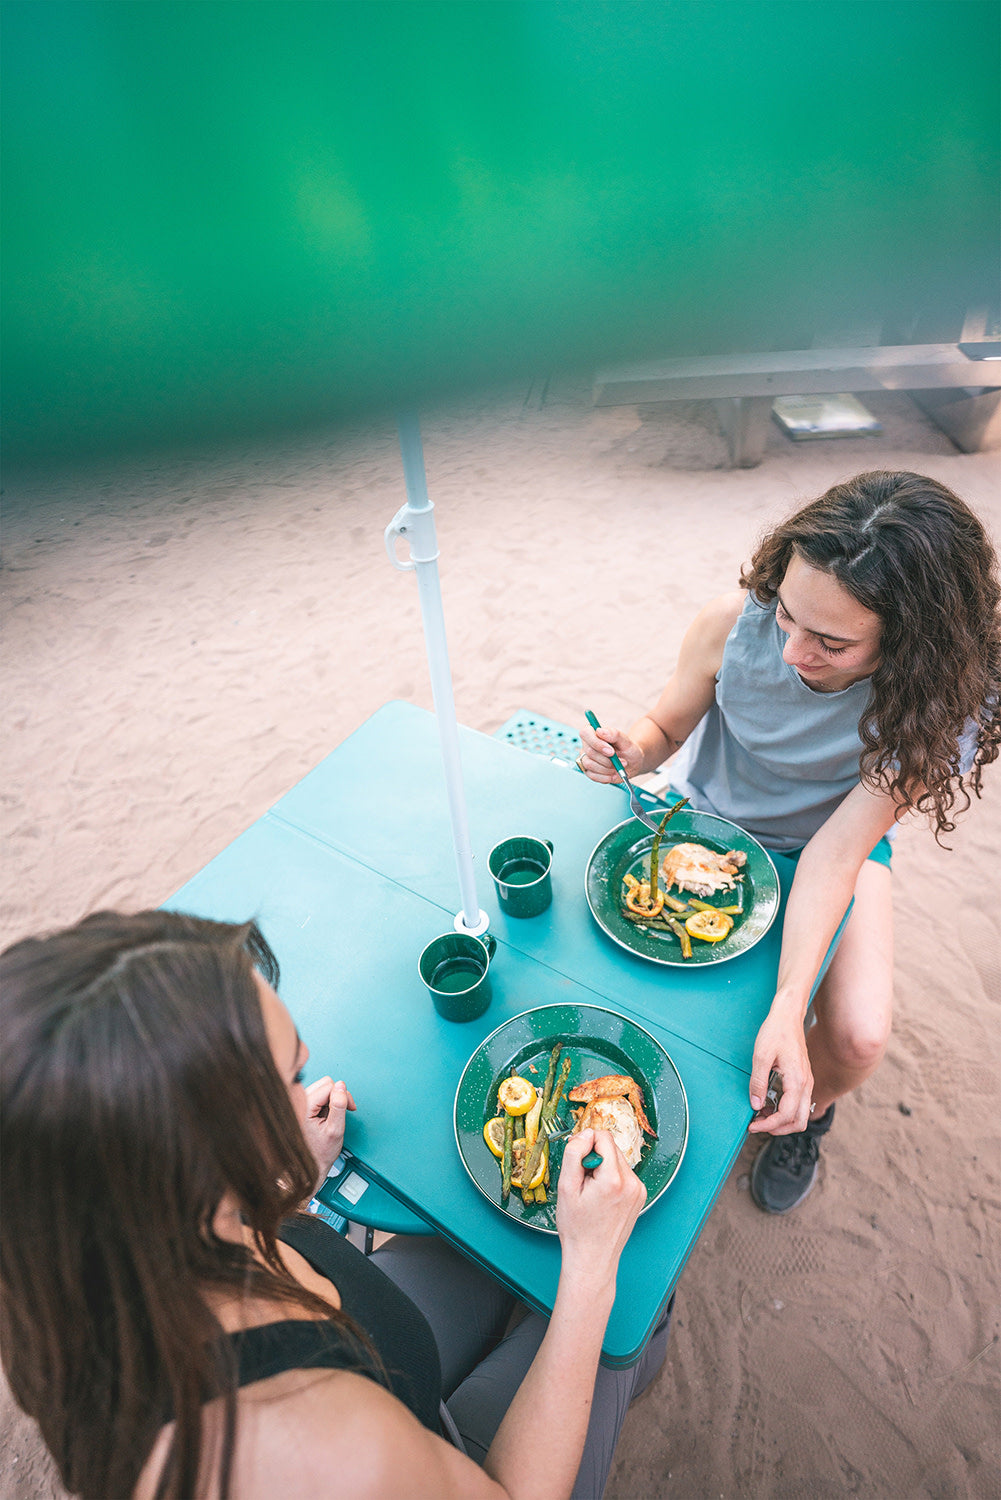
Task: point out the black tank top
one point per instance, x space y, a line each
399 1332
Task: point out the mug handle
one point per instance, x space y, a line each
489 942
548 843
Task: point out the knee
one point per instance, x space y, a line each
862 1045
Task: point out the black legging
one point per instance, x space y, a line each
482 1367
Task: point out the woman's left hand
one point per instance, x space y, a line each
781 1045
323 1127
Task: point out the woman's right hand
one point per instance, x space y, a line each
596 1211
595 758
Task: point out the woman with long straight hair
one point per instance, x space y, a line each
173 1324
853 678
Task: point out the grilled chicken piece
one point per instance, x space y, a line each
693 867
617 1116
612 1086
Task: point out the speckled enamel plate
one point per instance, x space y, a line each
598 1042
626 849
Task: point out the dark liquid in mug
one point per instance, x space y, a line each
521 872
456 974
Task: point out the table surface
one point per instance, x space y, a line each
352 873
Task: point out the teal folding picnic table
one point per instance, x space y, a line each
351 874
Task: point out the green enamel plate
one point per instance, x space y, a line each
626 850
598 1042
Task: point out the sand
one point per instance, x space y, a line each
187 636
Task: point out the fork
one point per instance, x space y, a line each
635 805
591 1160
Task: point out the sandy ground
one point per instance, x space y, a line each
186 637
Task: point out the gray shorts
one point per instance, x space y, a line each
486 1349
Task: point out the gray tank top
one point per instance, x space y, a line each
771 754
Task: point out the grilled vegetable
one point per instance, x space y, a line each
506 1158
554 1102
644 898
681 935
547 1087
710 926
532 1121
519 1167
546 1119
658 923
516 1095
641 903
655 851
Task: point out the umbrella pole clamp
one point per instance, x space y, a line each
417 528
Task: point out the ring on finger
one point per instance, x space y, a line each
580 762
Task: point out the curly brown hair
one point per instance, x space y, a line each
914 554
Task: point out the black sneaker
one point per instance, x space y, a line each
786 1168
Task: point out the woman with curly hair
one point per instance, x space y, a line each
853 678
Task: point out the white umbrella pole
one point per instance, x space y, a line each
415 522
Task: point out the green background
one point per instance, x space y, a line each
229 218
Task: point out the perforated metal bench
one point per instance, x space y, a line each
540 736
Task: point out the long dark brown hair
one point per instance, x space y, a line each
913 553
138 1090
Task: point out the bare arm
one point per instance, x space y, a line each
343 1424
684 701
595 1215
821 890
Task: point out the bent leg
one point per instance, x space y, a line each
479 1405
853 1007
467 1309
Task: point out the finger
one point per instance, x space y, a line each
790 1111
761 1069
612 1163
318 1094
801 1114
600 772
574 1152
341 1096
616 1173
337 1109
594 761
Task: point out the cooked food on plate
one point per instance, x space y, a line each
614 1103
618 1117
688 867
693 867
710 926
519 1135
610 1087
516 1095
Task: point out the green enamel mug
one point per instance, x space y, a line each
456 969
520 867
